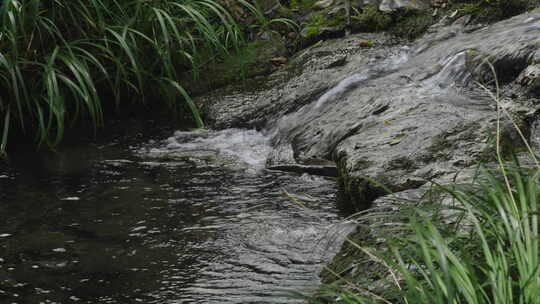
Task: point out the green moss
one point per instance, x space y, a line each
404 23
336 20
372 20
301 4
315 20
251 60
411 24
318 20
311 31
492 10
238 63
357 193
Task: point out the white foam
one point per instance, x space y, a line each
453 72
249 148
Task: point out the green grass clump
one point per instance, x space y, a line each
482 248
68 60
493 10
489 254
404 23
471 243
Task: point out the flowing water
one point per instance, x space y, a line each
193 218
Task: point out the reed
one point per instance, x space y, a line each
66 60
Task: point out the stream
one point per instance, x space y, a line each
172 217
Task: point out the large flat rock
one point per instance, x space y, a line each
398 116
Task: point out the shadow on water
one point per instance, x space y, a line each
194 218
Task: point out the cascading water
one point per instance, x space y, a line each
194 218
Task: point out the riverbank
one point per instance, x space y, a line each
385 112
370 108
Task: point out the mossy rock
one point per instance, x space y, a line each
493 10
300 4
321 26
403 23
250 61
372 20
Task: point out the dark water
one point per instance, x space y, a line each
194 218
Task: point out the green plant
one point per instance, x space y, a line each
63 61
471 243
371 19
493 10
483 248
303 4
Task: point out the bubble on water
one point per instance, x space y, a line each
71 198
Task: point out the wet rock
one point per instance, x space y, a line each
530 79
386 213
329 32
260 100
424 120
336 62
535 135
439 3
312 34
281 158
399 116
321 170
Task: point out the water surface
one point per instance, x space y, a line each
188 218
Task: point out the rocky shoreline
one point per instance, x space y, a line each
371 109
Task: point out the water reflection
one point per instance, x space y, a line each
191 219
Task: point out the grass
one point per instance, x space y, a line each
483 249
65 61
493 10
477 243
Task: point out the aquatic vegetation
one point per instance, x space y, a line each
67 61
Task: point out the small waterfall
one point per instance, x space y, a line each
246 149
453 72
347 84
283 130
